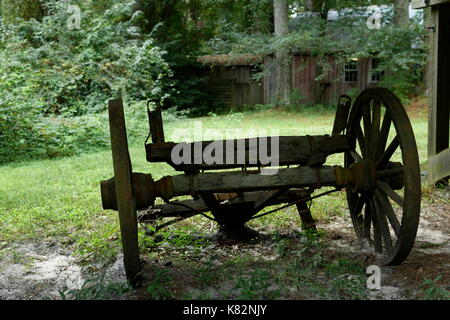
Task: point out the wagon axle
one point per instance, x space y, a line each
360 177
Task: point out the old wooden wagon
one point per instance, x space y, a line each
380 176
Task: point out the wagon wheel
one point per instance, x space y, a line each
385 205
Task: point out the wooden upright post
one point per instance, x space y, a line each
438 130
308 222
439 85
126 202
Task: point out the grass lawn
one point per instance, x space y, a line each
60 199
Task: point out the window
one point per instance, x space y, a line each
351 71
375 73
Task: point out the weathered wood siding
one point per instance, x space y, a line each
305 70
233 87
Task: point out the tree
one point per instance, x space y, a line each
28 9
308 5
401 12
283 63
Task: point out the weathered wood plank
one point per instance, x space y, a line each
420 4
308 222
341 117
156 125
248 152
265 197
124 192
437 167
187 207
234 181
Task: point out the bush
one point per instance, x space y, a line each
55 82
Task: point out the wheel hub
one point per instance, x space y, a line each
365 176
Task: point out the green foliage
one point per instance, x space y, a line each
433 291
53 79
50 74
208 274
402 50
28 9
157 289
96 288
344 266
256 286
107 57
348 279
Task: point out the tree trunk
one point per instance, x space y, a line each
11 11
283 63
308 5
401 12
194 11
320 6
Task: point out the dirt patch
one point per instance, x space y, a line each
41 270
37 271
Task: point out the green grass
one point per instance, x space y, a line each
61 198
432 290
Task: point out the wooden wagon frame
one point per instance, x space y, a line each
383 195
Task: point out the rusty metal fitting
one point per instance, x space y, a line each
108 192
163 188
344 177
143 191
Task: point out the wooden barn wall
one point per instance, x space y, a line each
231 86
303 75
270 81
325 91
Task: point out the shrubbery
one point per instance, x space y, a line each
54 80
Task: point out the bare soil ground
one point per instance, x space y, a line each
279 264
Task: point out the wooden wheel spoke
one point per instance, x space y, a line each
356 211
360 136
359 205
384 227
387 154
367 129
387 190
376 227
375 132
384 133
355 155
367 222
385 205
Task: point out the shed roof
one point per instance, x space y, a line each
230 59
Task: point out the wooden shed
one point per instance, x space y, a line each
230 80
339 79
